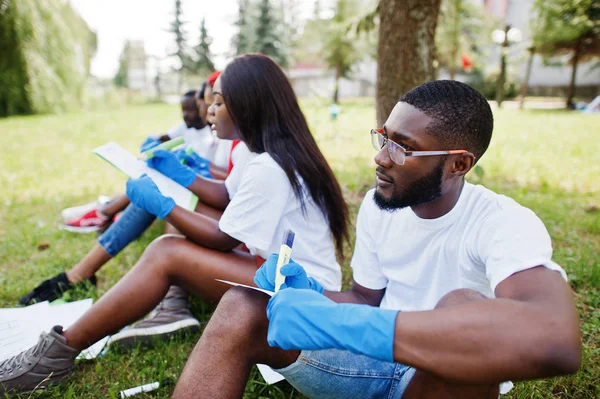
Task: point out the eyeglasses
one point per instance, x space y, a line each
397 153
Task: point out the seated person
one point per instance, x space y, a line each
286 183
454 287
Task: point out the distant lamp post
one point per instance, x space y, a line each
504 38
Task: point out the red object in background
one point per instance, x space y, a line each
467 65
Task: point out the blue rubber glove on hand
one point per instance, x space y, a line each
295 276
198 164
304 319
143 193
167 163
150 142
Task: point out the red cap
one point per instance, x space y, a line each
213 78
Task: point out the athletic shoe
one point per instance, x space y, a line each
90 222
45 364
50 289
78 211
171 317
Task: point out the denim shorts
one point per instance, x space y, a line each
132 222
336 373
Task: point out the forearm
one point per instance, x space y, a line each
358 294
201 229
165 137
211 192
218 172
486 341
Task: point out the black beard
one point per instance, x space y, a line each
426 189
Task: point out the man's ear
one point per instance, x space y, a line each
462 163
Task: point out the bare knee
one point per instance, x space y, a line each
240 313
163 246
458 297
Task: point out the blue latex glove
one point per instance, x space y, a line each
198 164
150 142
304 319
295 276
143 193
167 163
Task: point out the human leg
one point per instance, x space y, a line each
427 385
168 260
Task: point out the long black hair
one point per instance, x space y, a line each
263 106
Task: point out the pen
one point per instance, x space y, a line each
144 388
164 146
285 253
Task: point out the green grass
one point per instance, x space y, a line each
548 161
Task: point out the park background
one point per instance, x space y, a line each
63 92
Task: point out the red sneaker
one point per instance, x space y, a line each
88 223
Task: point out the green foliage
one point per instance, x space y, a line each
46 49
267 37
243 39
120 79
488 85
203 63
177 29
561 24
461 30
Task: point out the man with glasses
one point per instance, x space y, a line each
454 288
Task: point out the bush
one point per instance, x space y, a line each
486 85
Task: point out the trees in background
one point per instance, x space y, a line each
45 52
203 64
181 50
567 27
120 79
406 49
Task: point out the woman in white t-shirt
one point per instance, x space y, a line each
286 184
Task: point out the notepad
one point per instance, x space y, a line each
127 163
20 328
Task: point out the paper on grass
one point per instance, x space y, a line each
269 375
127 163
20 328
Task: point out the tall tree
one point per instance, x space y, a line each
460 31
203 63
268 33
242 41
339 51
120 78
180 44
568 27
406 49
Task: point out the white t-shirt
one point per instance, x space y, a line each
240 156
484 239
265 205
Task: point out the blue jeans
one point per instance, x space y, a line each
132 222
335 373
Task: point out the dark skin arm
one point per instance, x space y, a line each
218 172
531 330
201 229
164 138
357 294
211 192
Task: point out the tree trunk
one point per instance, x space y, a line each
336 90
525 86
405 51
571 93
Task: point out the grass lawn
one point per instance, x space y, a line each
548 161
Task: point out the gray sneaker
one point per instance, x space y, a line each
48 362
171 317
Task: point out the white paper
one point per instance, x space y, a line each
20 328
269 375
269 293
127 163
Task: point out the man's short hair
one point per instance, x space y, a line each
191 93
462 117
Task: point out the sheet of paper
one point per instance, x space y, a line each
269 293
20 328
127 163
269 375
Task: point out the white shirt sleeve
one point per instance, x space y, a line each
177 130
255 210
365 264
514 240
